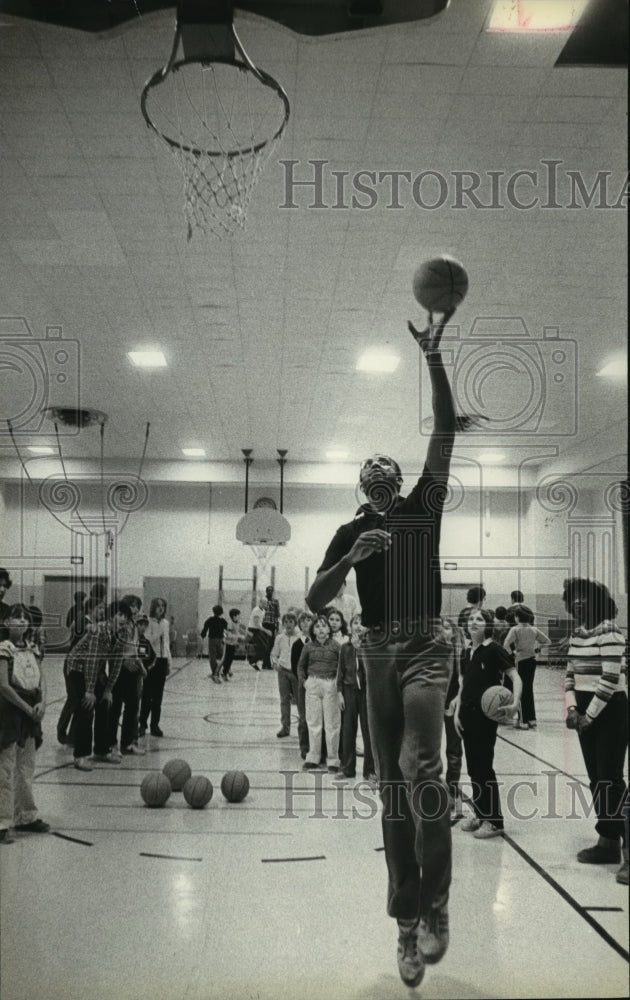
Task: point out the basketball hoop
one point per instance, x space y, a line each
219 115
264 530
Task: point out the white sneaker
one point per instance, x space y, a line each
106 758
487 830
133 750
82 764
470 823
115 752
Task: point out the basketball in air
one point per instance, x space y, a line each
155 790
198 791
178 772
440 284
493 701
235 786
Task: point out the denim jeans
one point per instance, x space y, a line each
407 680
215 652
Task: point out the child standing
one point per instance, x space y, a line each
352 702
126 690
304 624
287 681
317 671
233 631
524 639
485 664
153 690
338 626
92 688
214 628
22 707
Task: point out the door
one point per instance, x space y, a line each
59 594
181 594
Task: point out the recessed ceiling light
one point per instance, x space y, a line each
194 452
41 449
492 456
615 369
147 359
336 455
536 15
378 360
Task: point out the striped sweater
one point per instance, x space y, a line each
596 663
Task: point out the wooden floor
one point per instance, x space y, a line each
283 895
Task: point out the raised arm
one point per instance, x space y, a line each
440 447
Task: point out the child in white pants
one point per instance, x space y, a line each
22 707
317 671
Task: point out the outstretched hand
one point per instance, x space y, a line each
429 340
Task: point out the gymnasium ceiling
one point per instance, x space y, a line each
262 331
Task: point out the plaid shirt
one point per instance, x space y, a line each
272 614
90 655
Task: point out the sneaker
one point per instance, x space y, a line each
410 959
303 754
622 874
106 758
600 855
156 731
142 731
225 677
6 838
133 751
230 674
487 830
470 824
532 725
115 752
255 666
37 826
282 733
341 776
332 769
309 766
433 934
455 815
82 764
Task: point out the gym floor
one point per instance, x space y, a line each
283 895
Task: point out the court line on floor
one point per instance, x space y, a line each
530 753
568 898
273 861
75 840
169 857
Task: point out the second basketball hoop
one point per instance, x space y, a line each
264 530
219 114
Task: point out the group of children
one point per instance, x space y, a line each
118 663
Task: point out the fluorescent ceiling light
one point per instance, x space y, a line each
41 449
336 455
536 15
147 359
615 369
194 452
378 360
492 456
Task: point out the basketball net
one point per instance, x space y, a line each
264 553
221 121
